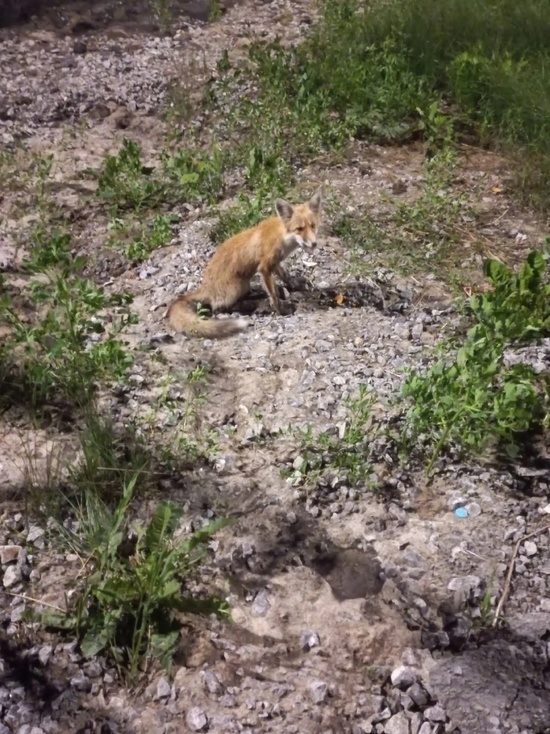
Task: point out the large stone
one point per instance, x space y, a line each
398 724
196 719
9 553
318 691
403 677
12 576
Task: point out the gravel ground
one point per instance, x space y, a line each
353 612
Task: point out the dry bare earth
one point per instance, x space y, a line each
331 588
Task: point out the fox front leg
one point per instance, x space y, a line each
292 282
285 279
271 290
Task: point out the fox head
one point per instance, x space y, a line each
301 221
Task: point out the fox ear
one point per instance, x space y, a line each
315 202
284 209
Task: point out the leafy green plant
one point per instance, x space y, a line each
414 234
346 452
153 235
438 129
127 603
125 182
67 344
472 398
518 307
365 71
486 610
198 176
42 169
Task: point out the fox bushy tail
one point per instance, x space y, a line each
182 316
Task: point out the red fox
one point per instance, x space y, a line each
227 277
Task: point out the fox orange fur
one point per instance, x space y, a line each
227 277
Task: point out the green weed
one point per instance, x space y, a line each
136 575
470 398
65 344
197 176
215 12
124 182
346 452
153 235
420 234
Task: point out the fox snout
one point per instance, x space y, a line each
294 240
309 245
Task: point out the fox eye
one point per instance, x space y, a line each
300 229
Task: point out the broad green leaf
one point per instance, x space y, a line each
496 272
93 643
162 525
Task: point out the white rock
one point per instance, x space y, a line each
9 553
435 713
12 576
403 677
398 724
163 688
318 691
196 719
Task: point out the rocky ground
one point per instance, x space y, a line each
353 611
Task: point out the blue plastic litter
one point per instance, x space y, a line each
461 512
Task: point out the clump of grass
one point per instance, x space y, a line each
136 575
471 398
344 452
490 57
110 457
67 343
435 34
140 241
385 70
424 233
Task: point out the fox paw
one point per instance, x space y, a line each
286 308
298 283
